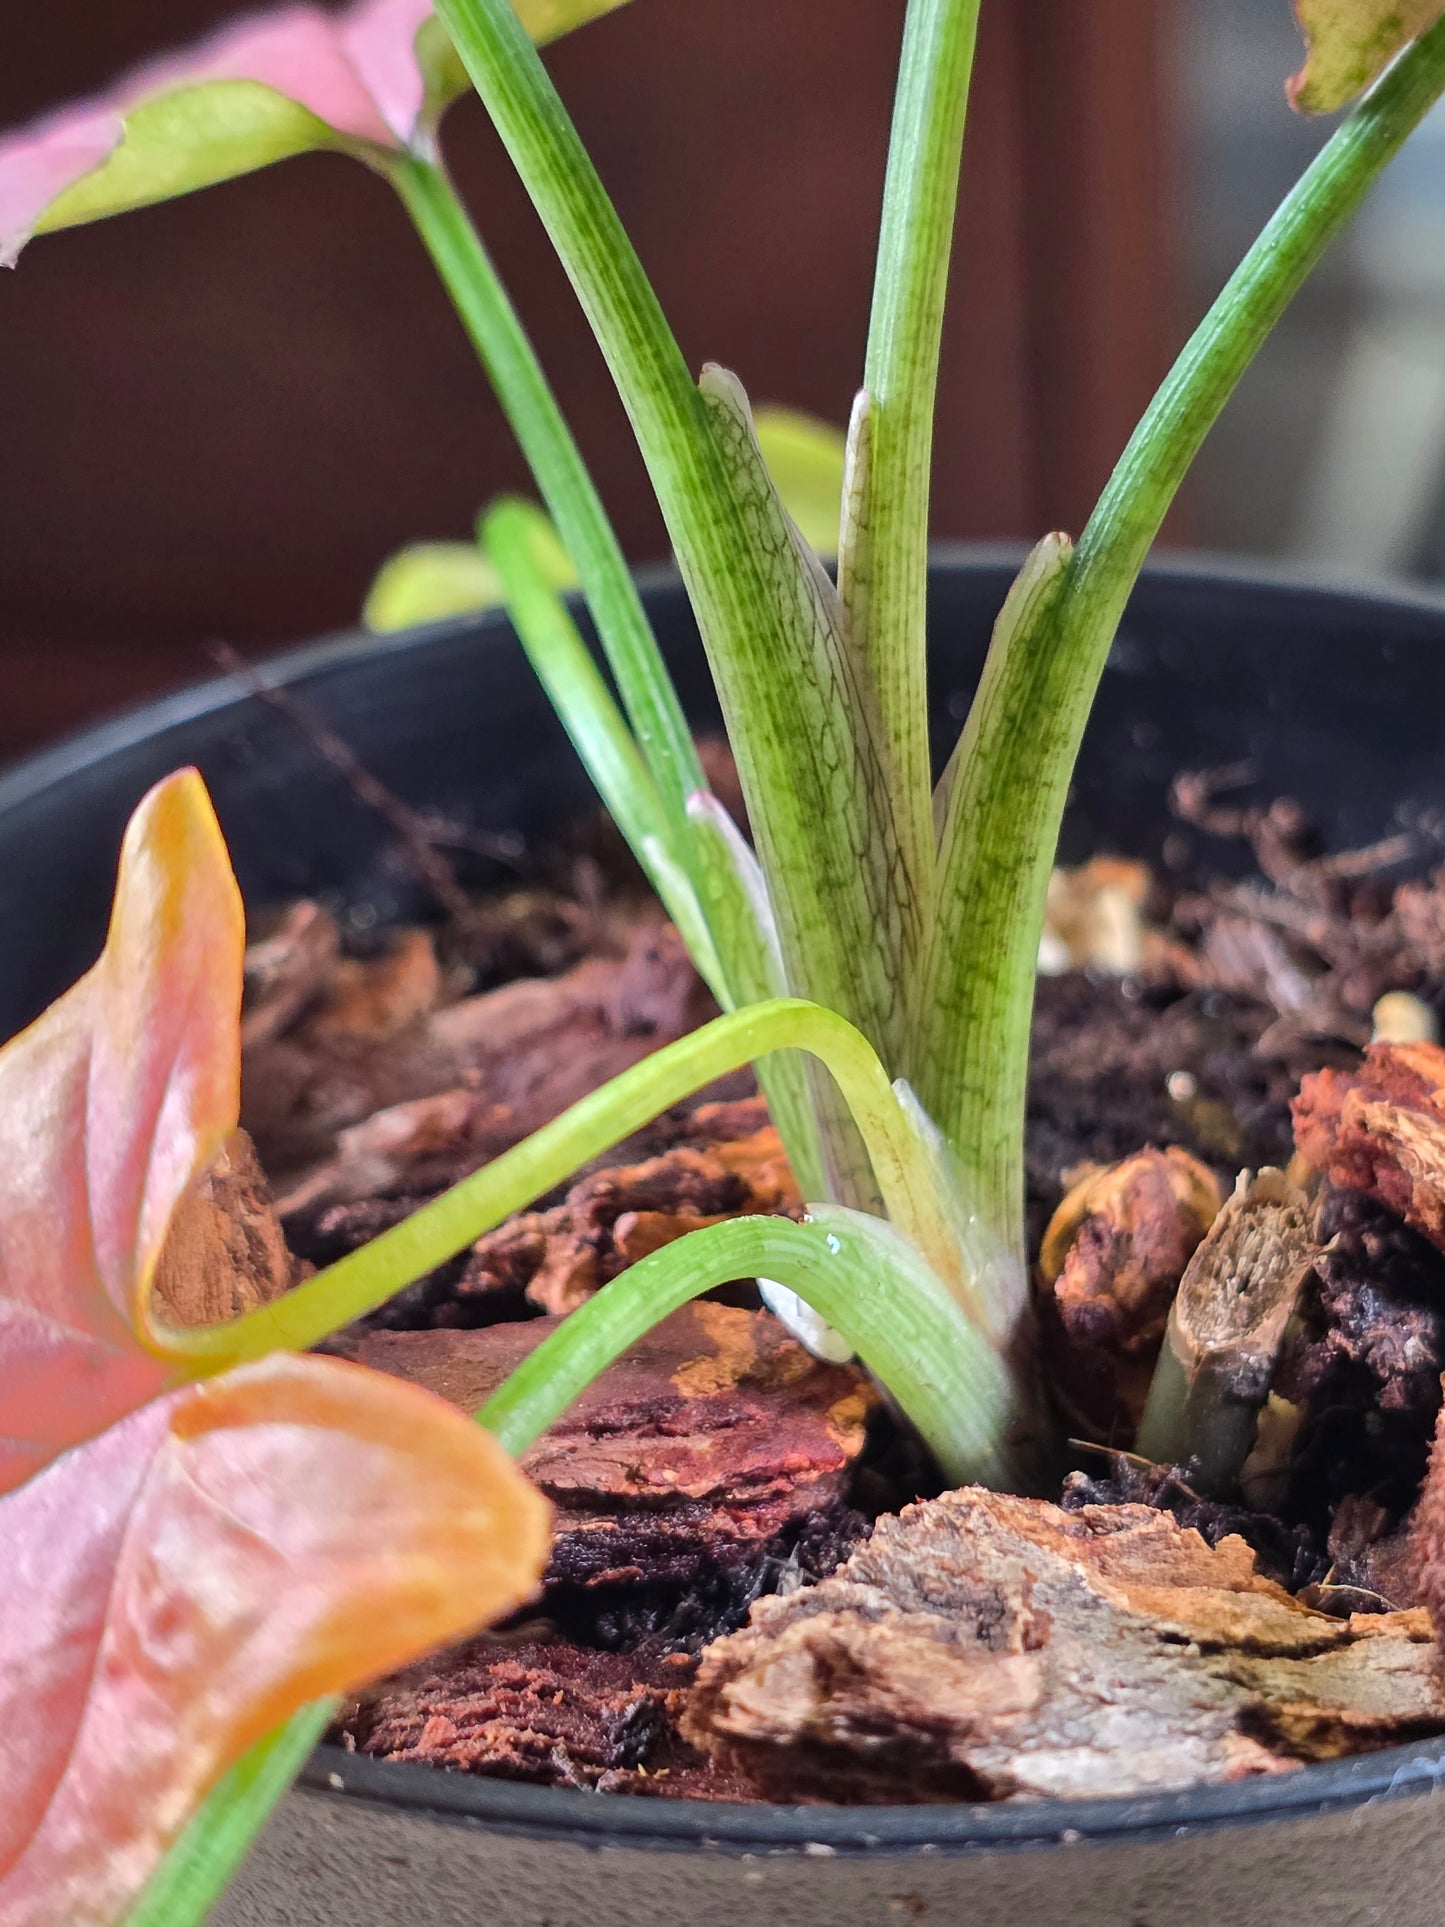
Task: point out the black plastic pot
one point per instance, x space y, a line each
1334 697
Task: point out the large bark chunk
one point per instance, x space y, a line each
226 1252
705 1443
982 1646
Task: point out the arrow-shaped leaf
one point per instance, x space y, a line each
371 79
178 1586
1350 43
111 1104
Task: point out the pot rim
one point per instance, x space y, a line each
734 1828
92 743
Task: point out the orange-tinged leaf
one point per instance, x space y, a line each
110 1104
1351 42
178 1586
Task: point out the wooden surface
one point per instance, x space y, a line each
220 414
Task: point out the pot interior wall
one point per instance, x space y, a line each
1333 698
1330 698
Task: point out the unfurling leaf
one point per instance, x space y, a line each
1350 43
180 1585
372 79
111 1104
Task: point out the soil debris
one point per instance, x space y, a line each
546 1712
389 1030
988 1647
1109 1267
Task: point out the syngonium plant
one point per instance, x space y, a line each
874 953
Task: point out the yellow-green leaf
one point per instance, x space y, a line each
805 459
429 581
1350 43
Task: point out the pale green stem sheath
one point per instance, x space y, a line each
858 1273
572 501
198 1868
1023 733
900 379
366 1278
818 804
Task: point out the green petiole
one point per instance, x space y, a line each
857 1272
1016 759
364 1279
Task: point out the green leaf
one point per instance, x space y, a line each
1351 42
840 897
429 581
805 459
366 1278
1011 782
804 721
186 140
866 1280
883 565
548 20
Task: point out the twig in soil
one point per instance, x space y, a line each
417 834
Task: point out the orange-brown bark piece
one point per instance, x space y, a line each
1381 1130
1109 1266
713 1434
618 1215
983 1646
226 1252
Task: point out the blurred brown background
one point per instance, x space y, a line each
219 415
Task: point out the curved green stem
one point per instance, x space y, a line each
531 408
199 1867
364 1279
857 1272
1024 730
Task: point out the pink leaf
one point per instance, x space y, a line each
177 1587
111 1103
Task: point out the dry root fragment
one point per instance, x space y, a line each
983 1646
710 1436
1226 1327
226 1252
1109 1266
1381 1130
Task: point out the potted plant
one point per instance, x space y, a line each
876 957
